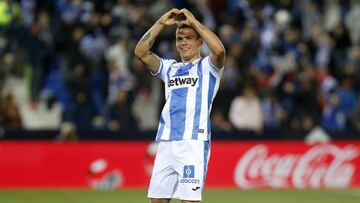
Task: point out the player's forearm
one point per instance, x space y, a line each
146 42
212 41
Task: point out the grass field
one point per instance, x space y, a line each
211 196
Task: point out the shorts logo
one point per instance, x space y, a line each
189 175
189 171
195 188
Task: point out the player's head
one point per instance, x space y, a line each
188 42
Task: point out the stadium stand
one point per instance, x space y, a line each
68 61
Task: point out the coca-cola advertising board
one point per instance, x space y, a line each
246 165
287 164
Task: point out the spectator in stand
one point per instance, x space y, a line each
342 44
245 111
333 119
38 60
287 97
274 114
159 7
146 106
67 132
9 12
227 90
81 110
9 113
207 15
347 97
10 21
142 80
355 117
94 43
307 109
310 16
219 122
352 22
119 115
354 64
118 59
122 12
3 71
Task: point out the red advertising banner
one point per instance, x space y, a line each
285 165
280 164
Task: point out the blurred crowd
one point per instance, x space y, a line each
290 64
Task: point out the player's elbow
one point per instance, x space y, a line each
139 52
220 52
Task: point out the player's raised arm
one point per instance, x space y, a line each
142 49
217 55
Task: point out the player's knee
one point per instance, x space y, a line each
159 200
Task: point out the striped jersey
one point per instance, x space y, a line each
190 89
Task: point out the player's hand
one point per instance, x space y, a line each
169 17
189 17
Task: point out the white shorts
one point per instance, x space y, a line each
179 170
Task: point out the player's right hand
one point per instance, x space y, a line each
169 17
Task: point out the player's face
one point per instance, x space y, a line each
188 44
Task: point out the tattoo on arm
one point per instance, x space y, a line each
146 37
151 42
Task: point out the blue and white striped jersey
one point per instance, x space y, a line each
189 91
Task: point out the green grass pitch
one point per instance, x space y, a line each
210 196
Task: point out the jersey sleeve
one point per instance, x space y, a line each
214 70
165 65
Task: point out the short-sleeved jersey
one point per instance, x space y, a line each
189 92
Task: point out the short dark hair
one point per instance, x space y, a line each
182 26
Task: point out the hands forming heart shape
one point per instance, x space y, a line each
178 17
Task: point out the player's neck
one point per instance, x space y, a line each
195 58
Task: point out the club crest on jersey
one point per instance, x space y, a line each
183 81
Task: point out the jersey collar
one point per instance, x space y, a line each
180 64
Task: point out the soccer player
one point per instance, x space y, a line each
190 87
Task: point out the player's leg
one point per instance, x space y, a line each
163 182
159 200
186 201
191 164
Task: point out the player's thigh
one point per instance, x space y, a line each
164 178
191 165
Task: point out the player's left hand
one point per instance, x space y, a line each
169 17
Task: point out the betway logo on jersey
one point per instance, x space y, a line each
183 81
189 175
